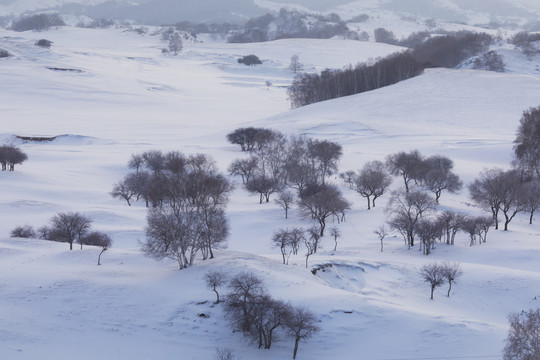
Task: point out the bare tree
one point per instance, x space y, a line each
451 273
439 176
23 231
325 156
451 222
98 238
428 231
301 325
263 186
405 165
381 233
513 195
336 234
124 190
487 192
225 354
70 226
244 167
175 43
295 65
282 240
10 155
326 201
407 209
285 199
477 228
523 340
531 198
527 142
296 237
311 242
372 181
215 280
434 275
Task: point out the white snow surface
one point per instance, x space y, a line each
126 97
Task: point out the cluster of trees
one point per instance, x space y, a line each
450 50
290 24
37 22
529 43
289 241
437 274
330 84
10 155
388 37
188 197
523 340
277 163
252 311
490 61
67 227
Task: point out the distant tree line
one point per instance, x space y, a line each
290 24
37 22
188 198
441 51
529 43
330 84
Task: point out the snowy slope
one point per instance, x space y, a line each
128 98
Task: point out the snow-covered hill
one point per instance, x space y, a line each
126 97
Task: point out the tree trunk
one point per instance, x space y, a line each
432 289
368 203
99 257
449 287
295 347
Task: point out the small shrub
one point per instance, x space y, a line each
44 43
24 231
250 60
3 53
490 61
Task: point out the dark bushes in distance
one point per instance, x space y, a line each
23 231
289 24
449 51
44 43
526 42
250 60
490 61
37 22
330 84
4 53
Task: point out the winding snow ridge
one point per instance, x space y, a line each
58 304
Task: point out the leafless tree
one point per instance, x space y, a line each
70 226
527 142
98 238
406 165
372 181
244 167
296 237
285 199
215 280
282 240
451 222
381 233
513 195
225 354
123 190
325 155
428 231
523 340
434 275
311 242
10 155
451 273
438 176
477 228
23 231
301 325
295 65
175 43
406 209
487 192
326 201
336 234
263 186
532 198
